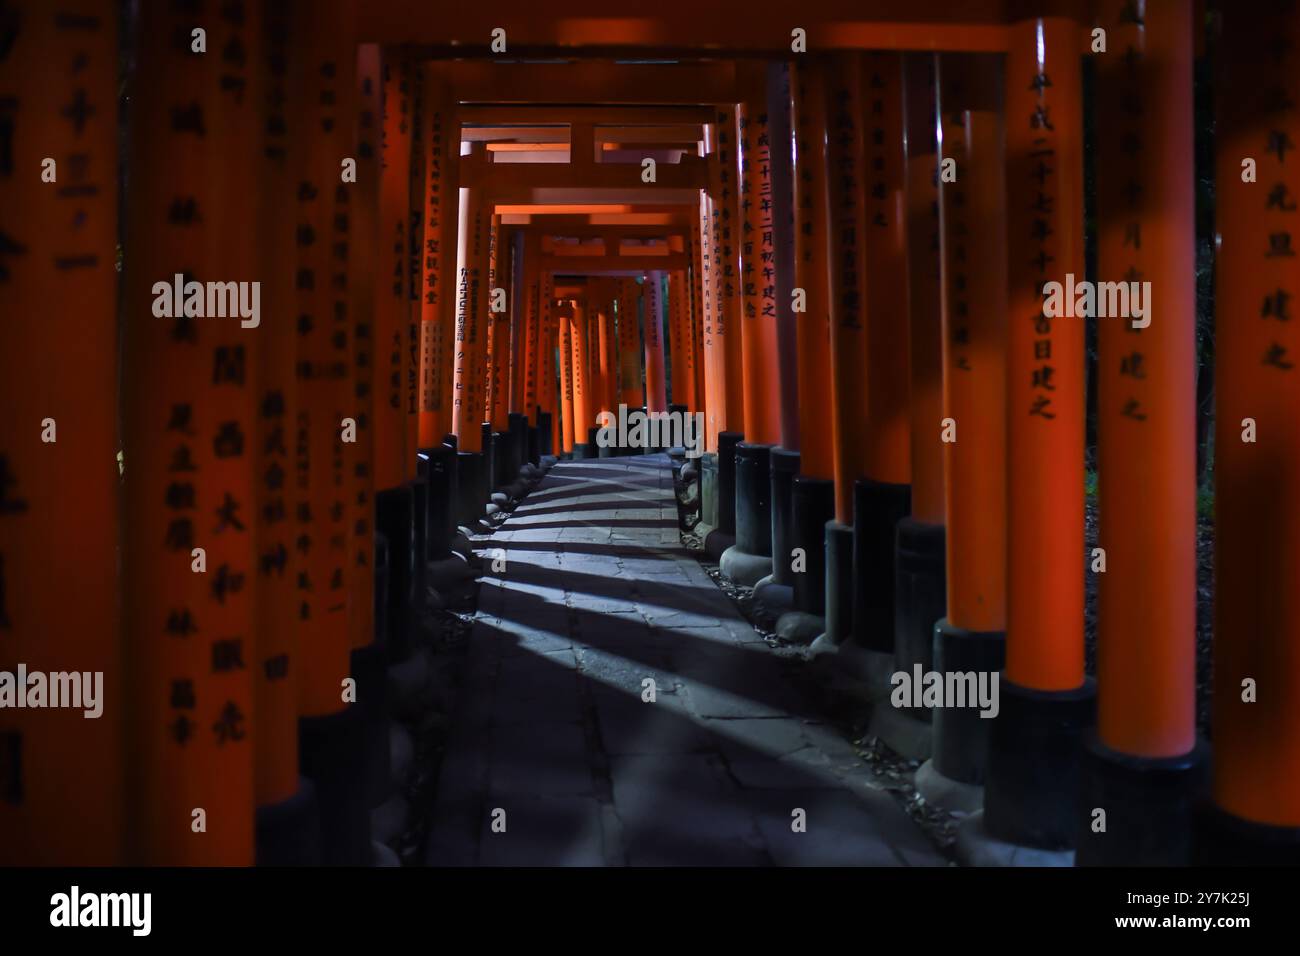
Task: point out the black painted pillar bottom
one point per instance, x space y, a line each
288 833
1224 839
500 461
471 480
331 753
709 489
754 499
877 508
784 468
839 582
920 594
812 504
1149 804
727 442
438 467
544 436
960 746
394 516
370 669
1031 795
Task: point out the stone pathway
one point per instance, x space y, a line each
591 597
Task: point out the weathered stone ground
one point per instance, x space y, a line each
591 596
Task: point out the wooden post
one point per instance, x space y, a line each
189 422
61 785
1256 777
761 374
655 393
1045 700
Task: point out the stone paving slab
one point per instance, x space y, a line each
554 738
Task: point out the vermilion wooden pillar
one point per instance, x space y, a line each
925 348
498 368
761 383
715 397
1045 700
61 780
420 144
629 345
845 168
919 592
1256 733
392 308
1146 439
533 334
683 369
276 663
189 423
882 498
695 279
549 389
498 331
363 280
813 493
584 415
471 319
520 274
655 392
324 372
847 283
566 352
811 207
971 425
727 302
437 317
608 350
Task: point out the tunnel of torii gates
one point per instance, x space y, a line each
827 234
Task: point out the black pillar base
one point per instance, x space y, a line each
544 444
518 443
839 581
812 505
1150 806
727 442
960 744
381 588
420 548
395 517
370 670
331 753
471 479
1031 795
920 594
754 499
437 466
877 508
288 833
784 468
500 444
534 445
1224 839
708 465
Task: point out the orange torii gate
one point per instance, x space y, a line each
930 374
